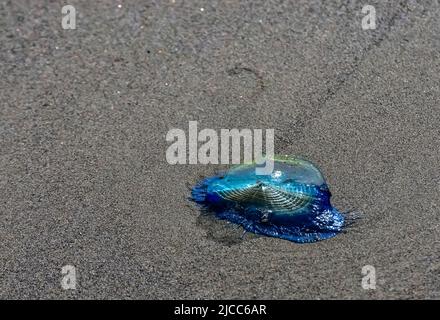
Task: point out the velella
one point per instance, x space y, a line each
291 203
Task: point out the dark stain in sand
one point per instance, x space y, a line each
222 231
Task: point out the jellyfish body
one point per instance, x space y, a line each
292 203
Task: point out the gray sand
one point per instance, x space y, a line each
83 118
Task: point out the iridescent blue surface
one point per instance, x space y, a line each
292 203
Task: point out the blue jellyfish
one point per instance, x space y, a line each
292 203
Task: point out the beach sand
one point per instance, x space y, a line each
84 113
